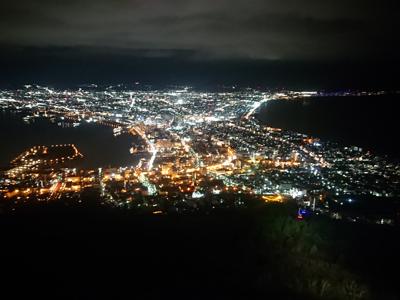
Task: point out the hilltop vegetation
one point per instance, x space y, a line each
248 253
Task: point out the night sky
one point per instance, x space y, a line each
292 42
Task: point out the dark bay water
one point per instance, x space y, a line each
371 122
97 143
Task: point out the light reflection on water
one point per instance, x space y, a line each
96 142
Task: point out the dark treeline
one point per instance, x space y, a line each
260 252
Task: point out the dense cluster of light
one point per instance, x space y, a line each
195 144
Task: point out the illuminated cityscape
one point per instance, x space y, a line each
199 149
196 149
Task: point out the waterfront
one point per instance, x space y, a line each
366 121
201 149
96 142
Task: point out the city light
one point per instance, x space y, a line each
191 147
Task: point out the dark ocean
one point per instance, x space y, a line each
371 122
97 143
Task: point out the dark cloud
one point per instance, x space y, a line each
212 29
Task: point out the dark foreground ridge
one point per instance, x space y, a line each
262 252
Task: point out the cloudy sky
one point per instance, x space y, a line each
204 30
